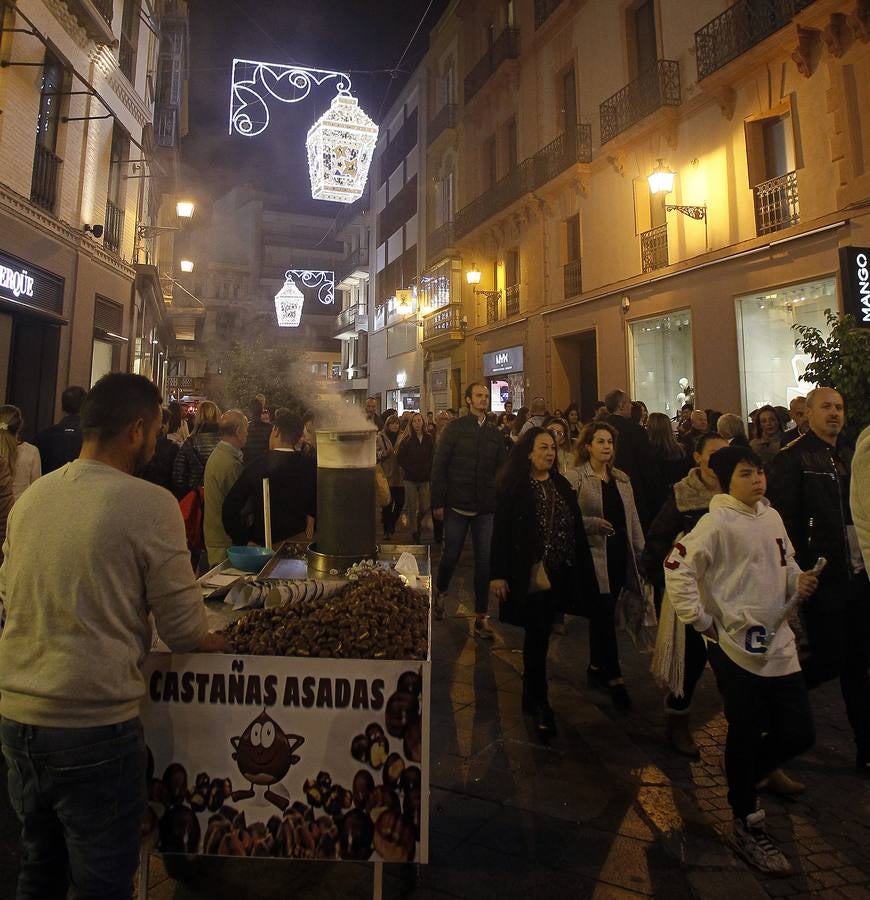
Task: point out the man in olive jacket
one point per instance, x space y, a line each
808 485
468 456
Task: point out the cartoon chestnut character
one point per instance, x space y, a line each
264 754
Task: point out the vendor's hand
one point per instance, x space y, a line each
212 643
605 528
808 584
309 533
438 513
711 633
499 589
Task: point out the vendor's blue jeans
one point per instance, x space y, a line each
80 796
456 528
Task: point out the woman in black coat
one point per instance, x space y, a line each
537 520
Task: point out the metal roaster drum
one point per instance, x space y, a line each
345 499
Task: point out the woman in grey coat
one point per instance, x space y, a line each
616 541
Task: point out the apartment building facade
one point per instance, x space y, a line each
80 294
542 123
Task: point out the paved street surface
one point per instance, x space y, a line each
605 810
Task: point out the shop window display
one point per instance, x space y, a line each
662 361
771 369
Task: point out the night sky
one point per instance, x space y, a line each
325 34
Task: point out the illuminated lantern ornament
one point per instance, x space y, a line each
340 146
288 305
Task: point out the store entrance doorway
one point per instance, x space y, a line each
578 354
33 372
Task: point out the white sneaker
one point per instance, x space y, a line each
751 842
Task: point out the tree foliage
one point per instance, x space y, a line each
841 361
255 368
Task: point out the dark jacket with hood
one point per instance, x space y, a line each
512 554
688 501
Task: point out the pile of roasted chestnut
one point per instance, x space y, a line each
375 616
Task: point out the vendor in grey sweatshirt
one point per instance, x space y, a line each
91 553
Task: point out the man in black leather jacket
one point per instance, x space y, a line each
808 484
468 455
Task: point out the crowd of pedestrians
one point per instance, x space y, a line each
634 510
708 524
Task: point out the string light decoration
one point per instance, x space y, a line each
290 299
340 144
340 147
288 305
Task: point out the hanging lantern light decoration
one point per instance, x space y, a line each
340 147
288 304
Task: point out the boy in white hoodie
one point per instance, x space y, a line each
729 578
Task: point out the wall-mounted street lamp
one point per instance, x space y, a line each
661 181
183 210
472 276
186 265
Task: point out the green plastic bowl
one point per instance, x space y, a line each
249 559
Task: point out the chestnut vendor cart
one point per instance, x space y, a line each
290 756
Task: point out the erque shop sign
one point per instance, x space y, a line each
500 361
855 280
22 282
287 758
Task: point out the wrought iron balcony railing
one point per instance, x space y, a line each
43 184
95 17
516 183
350 321
532 173
442 120
440 239
492 305
512 300
127 57
740 28
776 204
657 87
355 260
544 9
654 248
570 147
114 227
166 126
571 278
444 322
505 46
104 8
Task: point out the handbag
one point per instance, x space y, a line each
539 580
382 486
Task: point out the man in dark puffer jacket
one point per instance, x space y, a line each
467 457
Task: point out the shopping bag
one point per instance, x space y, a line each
634 613
192 505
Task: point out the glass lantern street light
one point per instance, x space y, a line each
186 265
184 209
472 276
340 147
661 179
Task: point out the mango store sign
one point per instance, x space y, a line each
855 282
